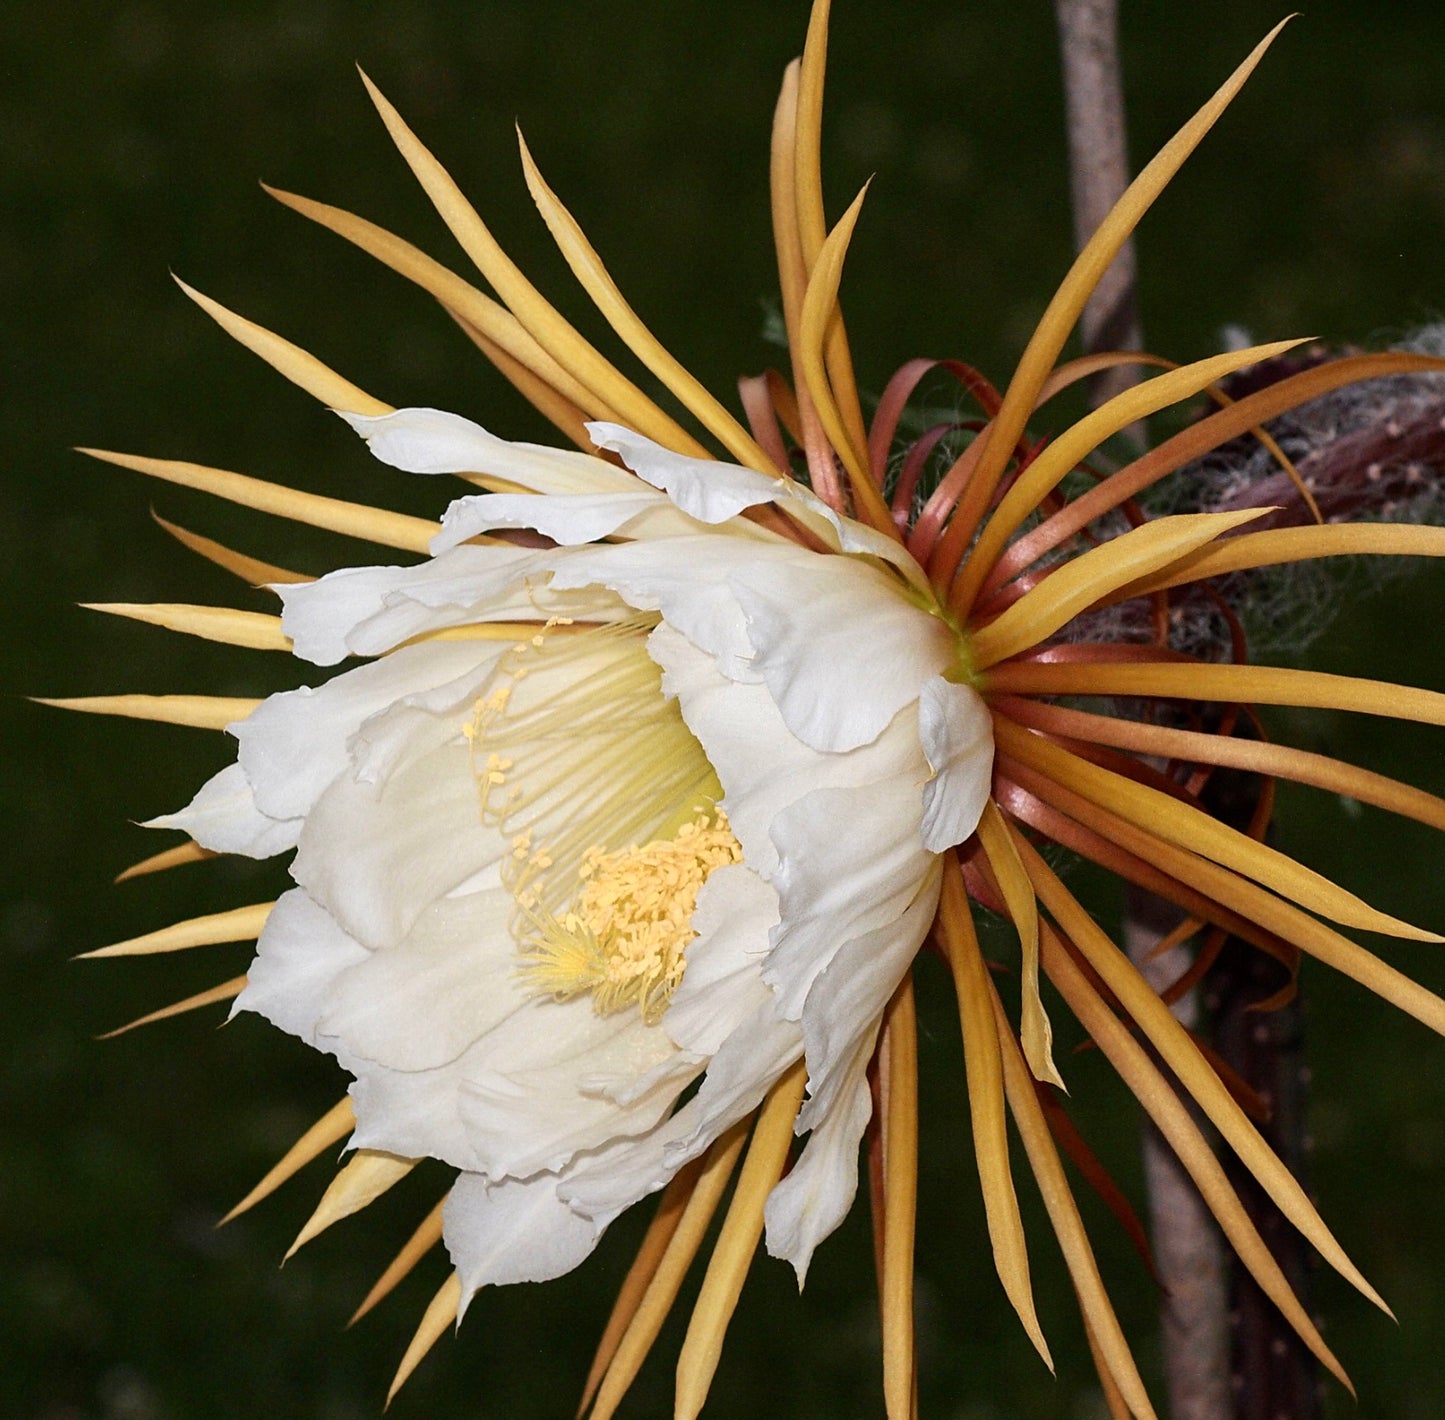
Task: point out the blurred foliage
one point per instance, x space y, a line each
132 135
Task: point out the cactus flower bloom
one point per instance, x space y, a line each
653 768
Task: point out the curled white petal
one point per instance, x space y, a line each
378 854
433 441
709 491
840 645
570 519
956 731
850 861
293 745
301 952
686 579
723 984
363 611
817 1194
840 1016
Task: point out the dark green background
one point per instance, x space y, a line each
131 136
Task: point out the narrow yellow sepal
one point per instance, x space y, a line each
1229 684
1256 756
254 630
1282 545
662 1290
820 311
1163 816
898 1075
1183 1136
473 308
249 569
737 1242
787 238
1089 266
1023 907
812 220
1262 912
1083 581
197 712
595 279
1194 1073
568 419
181 854
1068 1224
811 214
426 1237
379 525
537 315
240 924
333 1126
1063 454
361 1181
301 368
669 1213
441 1313
226 991
983 1068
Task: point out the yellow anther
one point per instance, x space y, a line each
625 937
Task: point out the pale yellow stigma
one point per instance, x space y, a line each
625 938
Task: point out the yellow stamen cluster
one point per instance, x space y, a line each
625 937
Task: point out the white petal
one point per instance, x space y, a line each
714 492
850 863
686 579
674 1072
420 1004
413 1115
706 489
843 1009
746 1066
432 441
566 518
839 644
763 766
816 1196
301 952
368 610
224 818
513 1231
293 745
723 982
604 1181
376 855
495 1112
956 732
530 1095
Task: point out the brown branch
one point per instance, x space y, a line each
1098 175
1187 1248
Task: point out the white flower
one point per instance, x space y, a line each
602 819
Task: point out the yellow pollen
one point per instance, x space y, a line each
625 936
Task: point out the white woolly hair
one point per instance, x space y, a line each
1368 452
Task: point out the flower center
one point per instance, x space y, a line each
580 758
624 938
